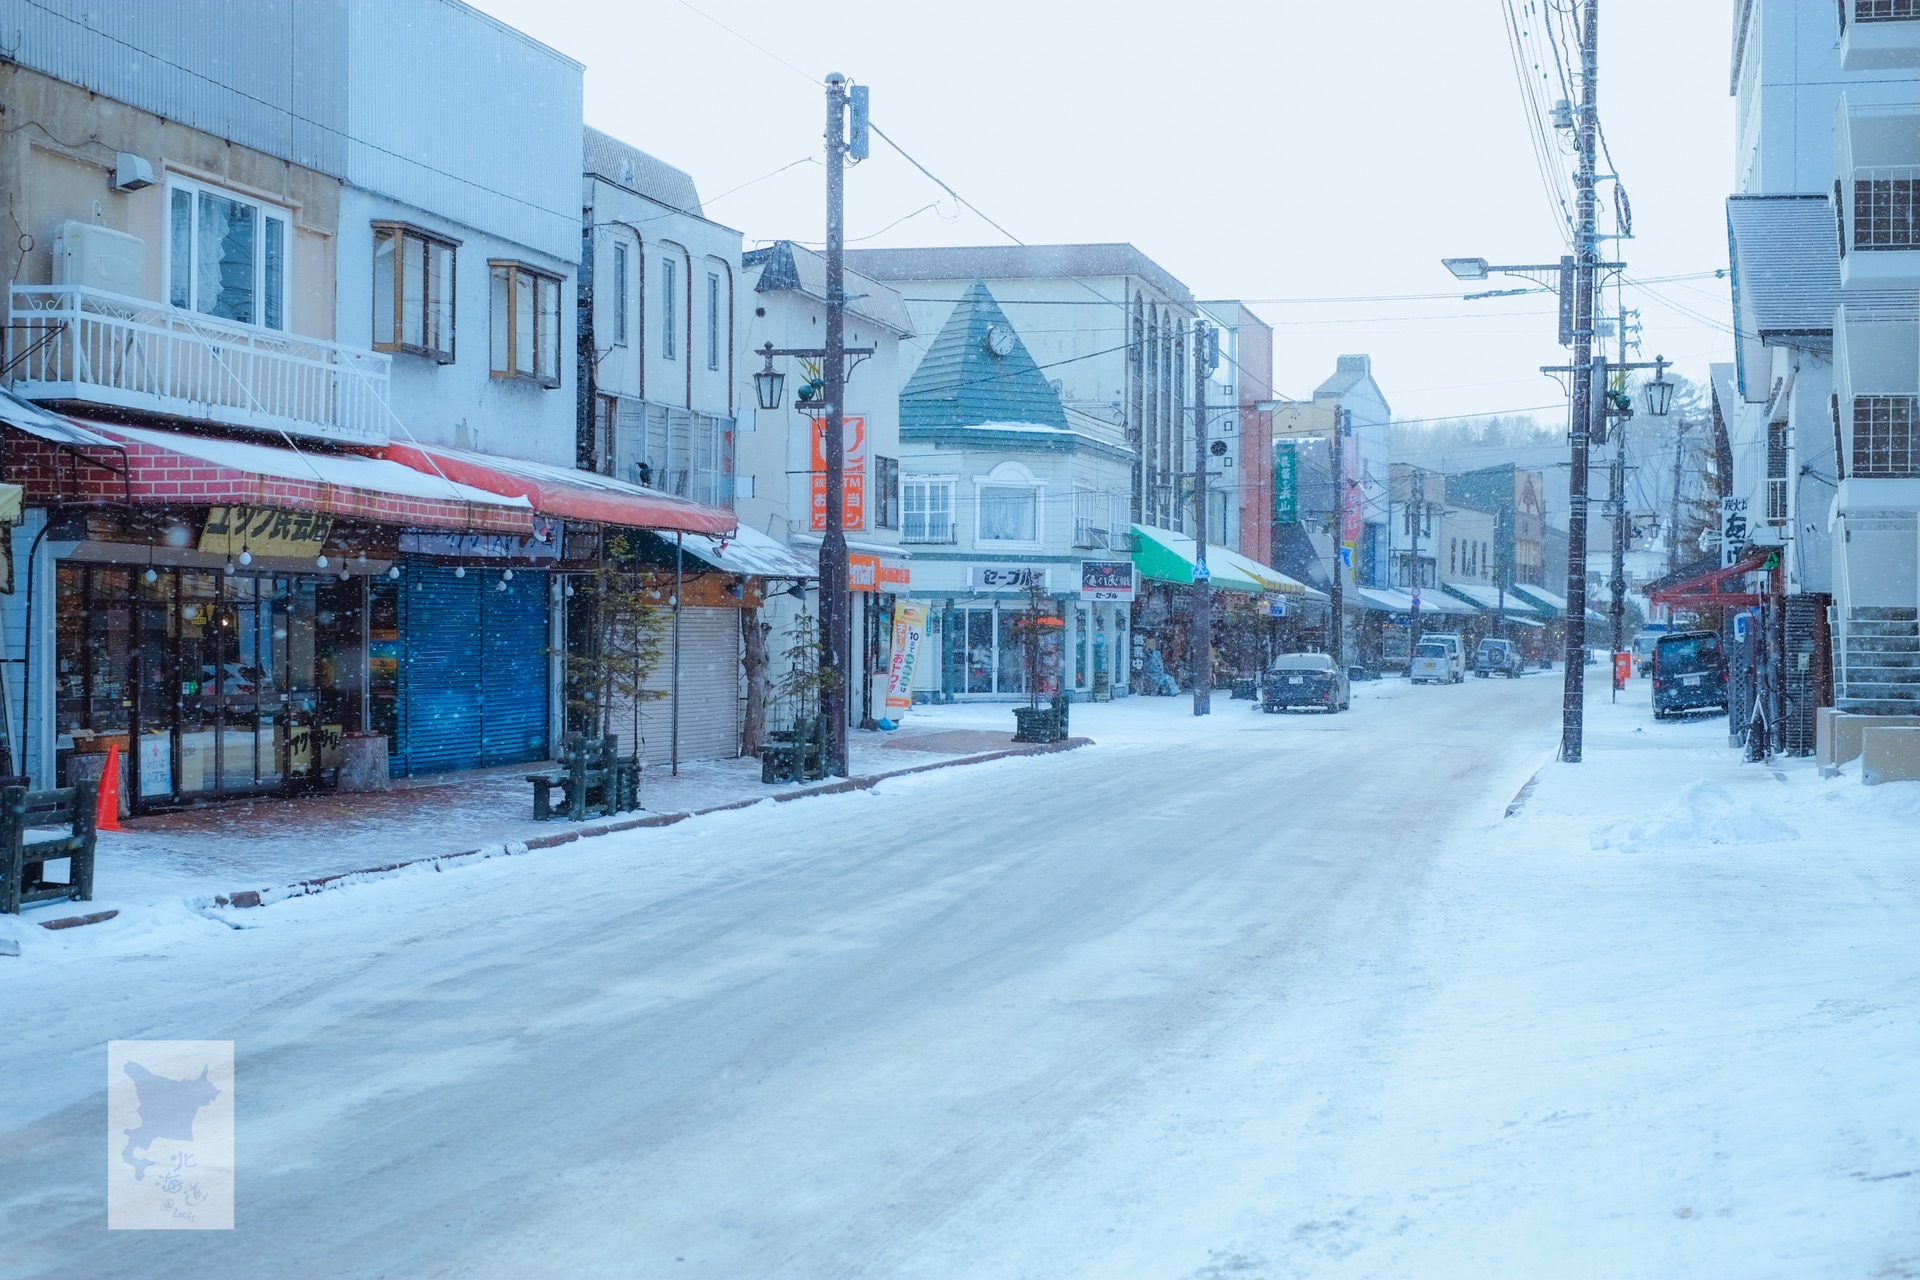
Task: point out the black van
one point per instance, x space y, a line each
1689 672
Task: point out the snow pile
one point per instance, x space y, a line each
1705 814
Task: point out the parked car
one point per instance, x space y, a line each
1432 664
1643 649
1305 680
1497 658
1456 651
1689 672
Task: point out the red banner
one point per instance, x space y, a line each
853 474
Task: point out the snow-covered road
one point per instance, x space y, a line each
1243 996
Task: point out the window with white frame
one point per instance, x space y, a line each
886 496
227 255
1886 436
1007 507
619 285
669 309
926 509
412 291
525 303
713 320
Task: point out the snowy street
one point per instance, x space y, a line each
1249 995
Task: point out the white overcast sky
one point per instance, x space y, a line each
1259 149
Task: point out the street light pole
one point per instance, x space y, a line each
835 605
1201 647
1573 699
1336 619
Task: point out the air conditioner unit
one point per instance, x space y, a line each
95 257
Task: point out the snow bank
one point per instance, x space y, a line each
1705 814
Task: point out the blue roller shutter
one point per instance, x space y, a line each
513 669
442 687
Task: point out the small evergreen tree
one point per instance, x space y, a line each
609 674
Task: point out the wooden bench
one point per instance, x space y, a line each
798 754
25 850
592 776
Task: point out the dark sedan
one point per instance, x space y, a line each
1304 680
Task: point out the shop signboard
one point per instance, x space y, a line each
544 544
1007 577
871 573
1106 580
264 531
853 473
1286 481
909 633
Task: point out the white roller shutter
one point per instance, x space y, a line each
711 689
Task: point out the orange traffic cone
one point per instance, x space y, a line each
107 812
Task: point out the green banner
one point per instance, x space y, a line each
1286 470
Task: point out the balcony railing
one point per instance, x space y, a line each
77 344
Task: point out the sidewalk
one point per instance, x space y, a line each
265 844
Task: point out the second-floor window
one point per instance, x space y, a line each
526 323
926 510
620 294
412 292
1886 209
886 498
227 256
669 310
713 320
1009 513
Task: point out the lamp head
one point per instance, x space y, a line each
1466 268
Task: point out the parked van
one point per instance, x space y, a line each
1456 653
1689 672
1432 664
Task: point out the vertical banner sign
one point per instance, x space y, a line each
1286 476
853 477
909 633
1352 513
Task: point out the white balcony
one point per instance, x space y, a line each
1879 35
84 346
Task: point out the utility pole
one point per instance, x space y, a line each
1573 700
836 613
1416 508
1617 495
1200 647
1673 523
1336 620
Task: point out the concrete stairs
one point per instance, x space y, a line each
1879 668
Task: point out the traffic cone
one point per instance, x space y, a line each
107 811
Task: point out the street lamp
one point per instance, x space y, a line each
1659 392
769 382
1467 268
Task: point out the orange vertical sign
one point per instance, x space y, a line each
853 478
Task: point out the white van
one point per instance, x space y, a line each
1432 664
1456 654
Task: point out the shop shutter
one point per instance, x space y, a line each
442 711
514 669
710 690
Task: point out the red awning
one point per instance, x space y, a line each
568 493
173 468
1714 588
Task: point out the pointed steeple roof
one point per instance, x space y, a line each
978 371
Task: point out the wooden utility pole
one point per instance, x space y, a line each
1200 646
1336 619
1580 420
836 620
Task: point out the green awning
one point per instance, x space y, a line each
1169 556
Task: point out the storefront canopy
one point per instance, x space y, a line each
1169 557
24 415
750 553
567 493
1552 605
174 468
1706 584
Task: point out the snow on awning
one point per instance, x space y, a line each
192 470
748 552
1169 557
1554 606
25 415
567 492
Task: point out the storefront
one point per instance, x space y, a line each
1243 593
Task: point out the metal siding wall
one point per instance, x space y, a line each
710 691
228 69
453 114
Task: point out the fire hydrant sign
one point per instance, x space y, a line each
853 474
